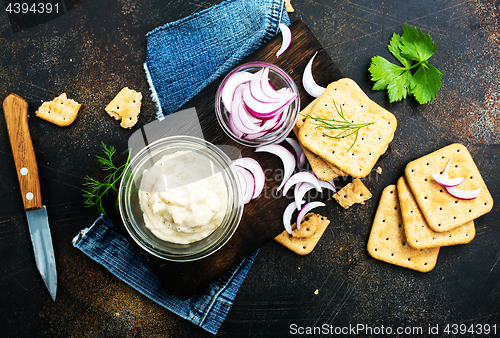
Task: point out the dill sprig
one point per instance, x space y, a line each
346 127
97 190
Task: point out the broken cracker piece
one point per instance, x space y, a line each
61 111
126 107
354 192
303 241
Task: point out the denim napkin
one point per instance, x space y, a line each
184 57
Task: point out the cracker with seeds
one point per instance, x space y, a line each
345 97
303 241
323 170
418 234
354 192
60 111
441 210
125 107
387 241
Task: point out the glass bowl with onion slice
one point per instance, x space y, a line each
257 104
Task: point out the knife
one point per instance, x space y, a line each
15 110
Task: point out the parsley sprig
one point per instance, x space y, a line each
346 127
97 190
415 76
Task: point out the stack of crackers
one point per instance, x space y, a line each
331 157
417 216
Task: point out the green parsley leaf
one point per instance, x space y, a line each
415 75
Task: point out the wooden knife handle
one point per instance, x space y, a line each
15 110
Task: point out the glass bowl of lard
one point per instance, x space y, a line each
180 198
257 104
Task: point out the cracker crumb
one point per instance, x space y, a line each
289 7
379 170
316 292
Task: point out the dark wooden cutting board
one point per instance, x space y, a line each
262 218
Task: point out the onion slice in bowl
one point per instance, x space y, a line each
286 157
231 84
301 176
286 39
306 209
462 194
310 86
255 168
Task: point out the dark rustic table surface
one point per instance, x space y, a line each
94 48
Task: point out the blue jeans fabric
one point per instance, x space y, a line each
183 58
103 243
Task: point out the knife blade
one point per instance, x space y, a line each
15 110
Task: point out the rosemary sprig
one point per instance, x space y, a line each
346 127
96 190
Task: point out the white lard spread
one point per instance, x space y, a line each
182 198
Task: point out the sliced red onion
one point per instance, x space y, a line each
237 98
263 110
254 167
451 183
230 86
258 93
248 120
233 128
286 157
269 90
244 124
300 190
287 216
302 160
287 39
296 146
462 194
447 182
308 207
328 185
248 181
310 86
302 176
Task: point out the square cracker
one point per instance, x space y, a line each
126 107
323 170
418 234
303 241
357 107
387 241
354 192
441 210
60 111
